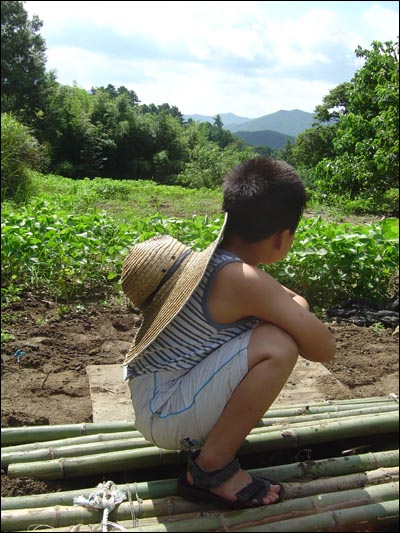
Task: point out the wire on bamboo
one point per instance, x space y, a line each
277 517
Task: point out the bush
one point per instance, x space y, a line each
20 153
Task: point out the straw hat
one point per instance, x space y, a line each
159 276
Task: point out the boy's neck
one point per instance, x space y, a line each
251 253
267 251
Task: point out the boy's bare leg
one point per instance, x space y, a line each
272 354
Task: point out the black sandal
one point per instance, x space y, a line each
250 496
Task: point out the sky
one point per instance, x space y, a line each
244 57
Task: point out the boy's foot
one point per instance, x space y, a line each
230 486
236 483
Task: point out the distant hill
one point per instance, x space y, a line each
229 120
272 139
289 123
286 122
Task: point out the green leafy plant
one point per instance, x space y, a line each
20 152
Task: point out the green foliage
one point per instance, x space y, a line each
334 105
332 262
208 164
127 198
66 255
69 250
70 256
23 75
76 145
366 142
313 145
20 152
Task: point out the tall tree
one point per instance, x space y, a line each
365 162
23 73
334 105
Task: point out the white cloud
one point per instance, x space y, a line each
250 58
381 22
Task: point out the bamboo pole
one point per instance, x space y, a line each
321 420
306 471
73 451
105 463
326 431
99 463
264 425
368 517
71 441
27 434
345 482
10 456
60 516
276 517
327 414
323 408
103 437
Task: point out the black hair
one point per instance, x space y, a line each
262 196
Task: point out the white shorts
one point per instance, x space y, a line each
177 406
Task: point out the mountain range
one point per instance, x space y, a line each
273 130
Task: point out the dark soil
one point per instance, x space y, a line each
48 384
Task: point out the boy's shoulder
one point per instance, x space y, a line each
235 287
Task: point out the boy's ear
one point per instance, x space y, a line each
281 238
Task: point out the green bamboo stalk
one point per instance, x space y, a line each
25 519
322 420
73 451
276 517
368 517
326 431
99 463
71 441
308 470
323 408
327 414
274 423
27 434
153 456
62 516
334 466
54 452
264 423
345 482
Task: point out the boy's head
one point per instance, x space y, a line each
262 196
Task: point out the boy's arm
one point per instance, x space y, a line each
241 290
297 298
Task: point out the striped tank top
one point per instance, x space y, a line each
193 334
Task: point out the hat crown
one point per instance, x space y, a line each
146 265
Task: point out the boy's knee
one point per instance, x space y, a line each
271 342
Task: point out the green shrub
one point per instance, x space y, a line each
20 152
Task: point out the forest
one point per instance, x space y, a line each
348 157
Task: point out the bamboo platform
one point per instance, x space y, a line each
347 480
111 400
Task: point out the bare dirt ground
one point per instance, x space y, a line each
48 384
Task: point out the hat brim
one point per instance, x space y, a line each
172 296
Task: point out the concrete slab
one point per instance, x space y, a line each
111 401
308 383
311 382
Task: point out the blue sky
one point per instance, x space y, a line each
248 58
